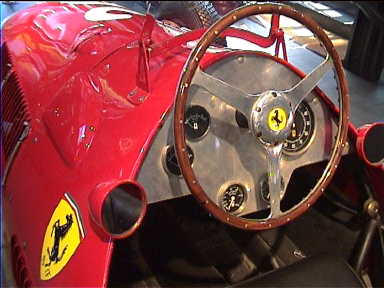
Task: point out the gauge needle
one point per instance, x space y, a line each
232 204
188 122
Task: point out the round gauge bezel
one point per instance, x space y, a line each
164 160
224 188
309 142
206 131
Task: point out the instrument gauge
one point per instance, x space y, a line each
301 131
170 162
196 123
233 198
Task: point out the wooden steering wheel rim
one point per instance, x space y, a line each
181 100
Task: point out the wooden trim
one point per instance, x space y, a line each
181 100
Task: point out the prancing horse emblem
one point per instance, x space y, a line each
276 118
59 232
62 237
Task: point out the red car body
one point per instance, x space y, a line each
97 94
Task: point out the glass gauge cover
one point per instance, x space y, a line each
170 160
197 121
233 198
302 129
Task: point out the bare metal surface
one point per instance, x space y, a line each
229 94
298 93
229 154
274 178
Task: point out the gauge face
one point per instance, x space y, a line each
170 160
302 129
196 122
233 198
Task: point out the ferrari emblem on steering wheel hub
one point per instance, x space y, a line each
277 119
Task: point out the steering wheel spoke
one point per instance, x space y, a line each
274 178
270 109
231 95
297 93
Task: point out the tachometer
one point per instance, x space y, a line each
197 121
302 129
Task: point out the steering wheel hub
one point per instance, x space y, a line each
271 118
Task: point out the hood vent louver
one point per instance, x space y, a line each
14 109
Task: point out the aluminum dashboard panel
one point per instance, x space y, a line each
228 154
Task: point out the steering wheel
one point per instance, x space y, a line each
270 115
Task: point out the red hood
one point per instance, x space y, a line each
77 77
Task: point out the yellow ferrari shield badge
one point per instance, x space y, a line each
277 119
62 237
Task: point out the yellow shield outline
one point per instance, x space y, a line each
63 235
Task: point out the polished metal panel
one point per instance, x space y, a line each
298 93
229 154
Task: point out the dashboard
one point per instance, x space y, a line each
228 161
